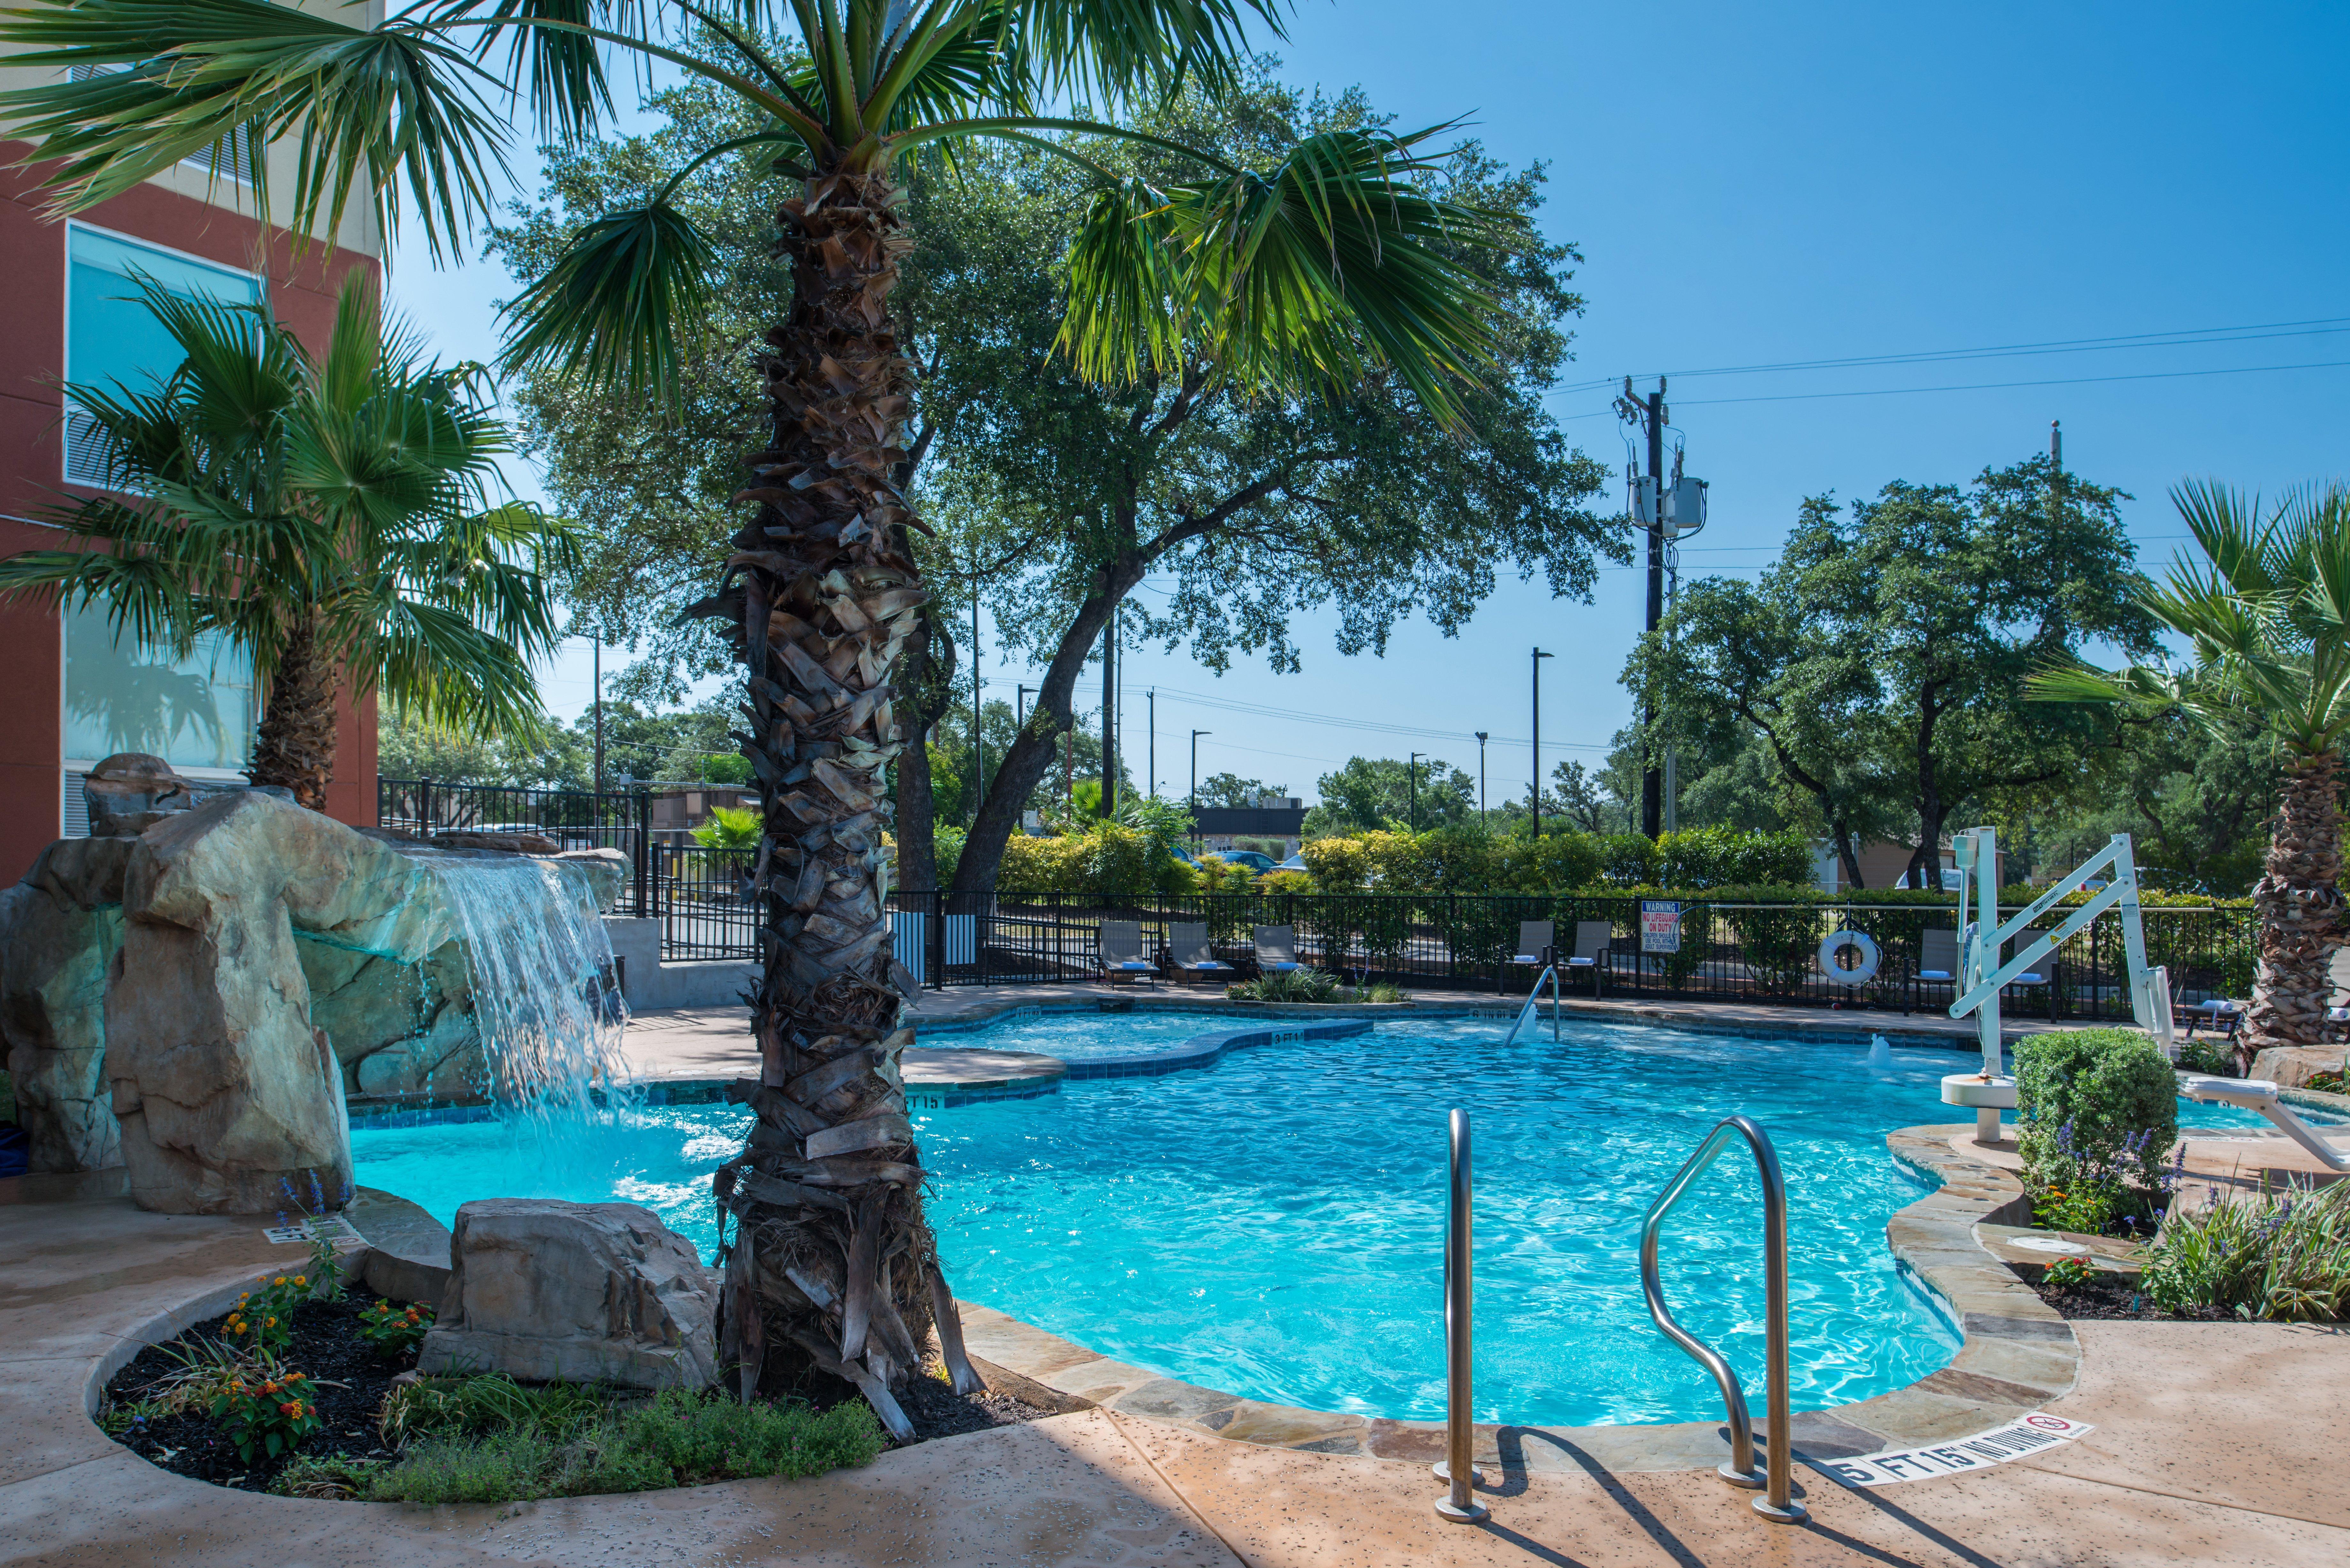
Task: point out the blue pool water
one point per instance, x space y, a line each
1271 1225
1077 1036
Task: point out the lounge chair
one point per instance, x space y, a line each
1534 938
1194 960
1122 954
1937 959
1277 949
1592 940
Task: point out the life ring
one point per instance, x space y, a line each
1858 975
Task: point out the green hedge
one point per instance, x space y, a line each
2100 1098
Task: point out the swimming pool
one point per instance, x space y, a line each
1270 1225
1080 1035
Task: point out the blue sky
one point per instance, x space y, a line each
1759 184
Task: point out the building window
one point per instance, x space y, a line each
196 714
112 337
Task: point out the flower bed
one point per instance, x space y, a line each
307 1388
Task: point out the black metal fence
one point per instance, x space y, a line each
1716 952
574 819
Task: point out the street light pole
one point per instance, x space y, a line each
1482 814
599 712
1153 702
1411 770
1195 765
1539 657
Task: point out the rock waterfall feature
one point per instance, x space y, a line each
232 973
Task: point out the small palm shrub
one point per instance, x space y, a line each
2282 1258
1297 985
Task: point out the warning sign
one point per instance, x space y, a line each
1661 926
2026 1435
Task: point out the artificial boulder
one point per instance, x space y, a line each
226 1091
131 792
60 930
582 1293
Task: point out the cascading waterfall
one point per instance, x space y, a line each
545 1001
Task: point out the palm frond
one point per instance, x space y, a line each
1110 50
559 70
1306 277
369 109
621 306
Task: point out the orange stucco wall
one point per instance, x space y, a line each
32 361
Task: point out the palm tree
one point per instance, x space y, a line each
1312 273
328 515
2266 614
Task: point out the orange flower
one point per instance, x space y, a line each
271 1324
278 1281
301 1279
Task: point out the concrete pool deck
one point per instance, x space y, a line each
2212 1444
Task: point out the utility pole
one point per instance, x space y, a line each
1152 700
1650 412
600 713
978 757
1481 813
1020 706
1411 769
1109 717
1539 657
1195 765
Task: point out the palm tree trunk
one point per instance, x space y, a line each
295 745
2299 902
833 1265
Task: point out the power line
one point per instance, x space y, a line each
1994 386
2186 337
1365 726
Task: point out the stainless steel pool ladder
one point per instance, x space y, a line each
1777 1485
1533 998
1457 1470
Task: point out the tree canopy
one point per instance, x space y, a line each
1881 660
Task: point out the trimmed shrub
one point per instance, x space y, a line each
2097 1111
2110 1087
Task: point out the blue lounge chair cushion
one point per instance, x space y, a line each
1582 963
1933 974
1280 966
1132 963
1209 964
2027 977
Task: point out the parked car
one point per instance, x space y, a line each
1294 863
1260 863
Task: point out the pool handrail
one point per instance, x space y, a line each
1458 1471
1777 1484
1534 998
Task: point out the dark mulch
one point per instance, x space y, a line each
938 1411
350 1378
2108 1298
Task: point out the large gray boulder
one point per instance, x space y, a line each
548 1291
60 929
225 1091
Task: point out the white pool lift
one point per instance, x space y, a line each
1981 977
2261 1095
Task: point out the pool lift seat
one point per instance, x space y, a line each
1982 979
2261 1095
